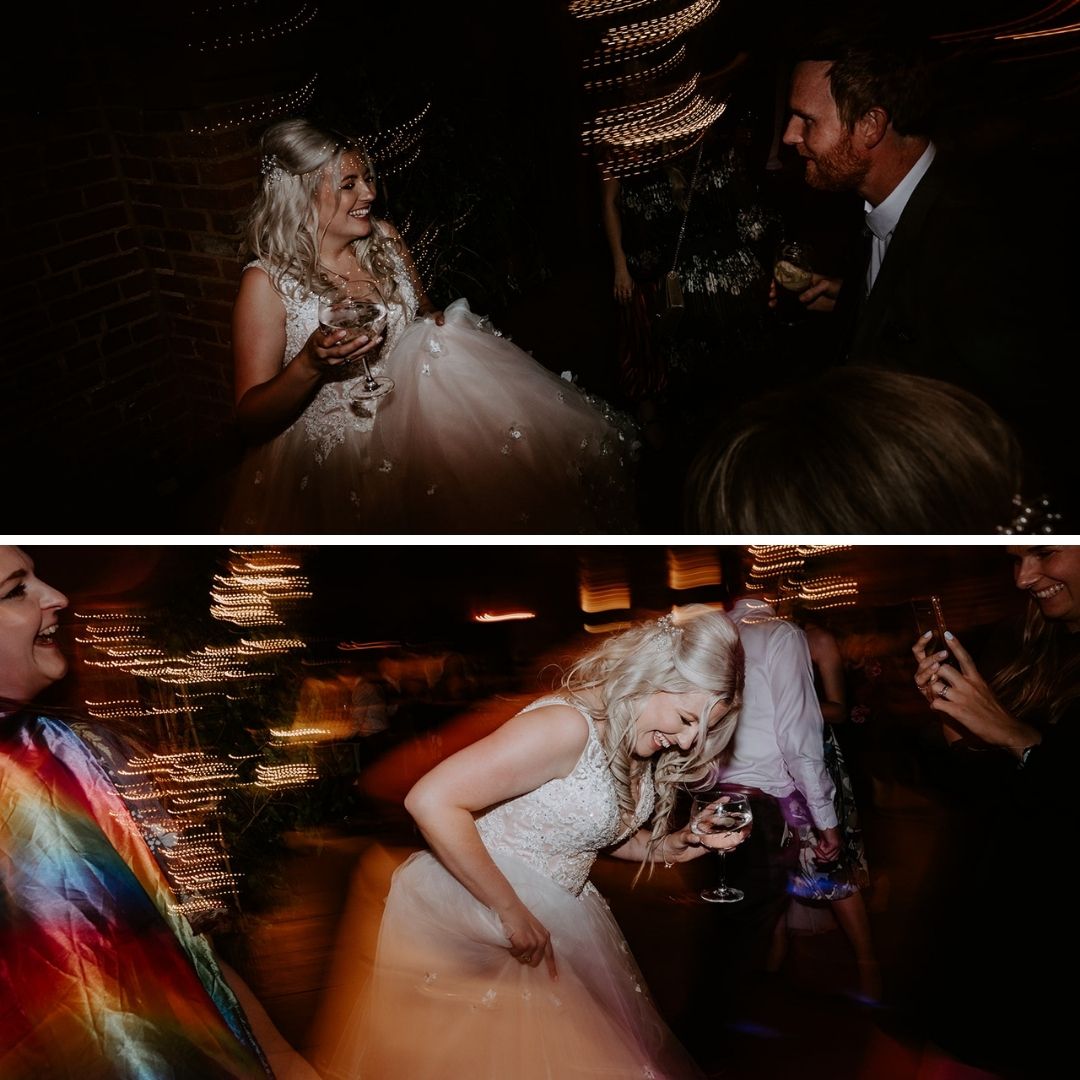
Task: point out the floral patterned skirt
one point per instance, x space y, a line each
849 872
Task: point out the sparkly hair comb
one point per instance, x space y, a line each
666 625
271 169
1030 516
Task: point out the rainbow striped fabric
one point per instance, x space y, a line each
98 976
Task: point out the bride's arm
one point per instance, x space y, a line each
527 751
268 396
424 305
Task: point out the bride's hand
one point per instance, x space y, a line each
530 943
685 844
329 349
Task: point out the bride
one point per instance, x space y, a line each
475 436
497 957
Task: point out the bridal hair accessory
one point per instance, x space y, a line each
666 625
271 169
1030 516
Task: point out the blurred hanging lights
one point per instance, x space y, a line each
637 137
300 18
664 66
651 122
779 573
692 568
619 40
257 583
396 148
591 9
1017 28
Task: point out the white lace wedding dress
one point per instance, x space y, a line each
476 437
447 1001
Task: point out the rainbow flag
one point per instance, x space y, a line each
99 976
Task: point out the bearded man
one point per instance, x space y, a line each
944 284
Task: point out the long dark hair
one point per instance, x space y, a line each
1044 679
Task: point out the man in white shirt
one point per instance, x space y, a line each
775 756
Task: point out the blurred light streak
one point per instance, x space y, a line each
633 35
998 30
258 582
692 568
285 776
606 628
599 596
778 570
509 616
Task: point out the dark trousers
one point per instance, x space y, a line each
762 867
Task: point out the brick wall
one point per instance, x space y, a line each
125 184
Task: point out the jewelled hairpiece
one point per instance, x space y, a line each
1030 516
271 169
666 625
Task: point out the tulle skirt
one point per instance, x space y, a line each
476 437
447 1000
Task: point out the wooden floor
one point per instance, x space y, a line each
307 958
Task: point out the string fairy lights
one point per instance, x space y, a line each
779 573
593 9
629 37
290 25
260 110
664 66
258 583
651 123
397 148
179 793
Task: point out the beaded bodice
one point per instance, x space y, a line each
561 826
335 410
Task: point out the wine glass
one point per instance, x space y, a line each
714 814
793 271
358 309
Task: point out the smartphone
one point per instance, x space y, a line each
929 616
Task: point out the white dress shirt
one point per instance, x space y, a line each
778 743
882 219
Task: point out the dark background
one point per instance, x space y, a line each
128 157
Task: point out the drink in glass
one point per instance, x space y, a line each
793 275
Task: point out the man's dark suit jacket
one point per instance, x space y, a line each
964 296
945 303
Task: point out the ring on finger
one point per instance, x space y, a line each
944 691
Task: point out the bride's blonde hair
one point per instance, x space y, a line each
696 650
282 228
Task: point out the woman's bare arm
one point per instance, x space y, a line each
269 397
526 752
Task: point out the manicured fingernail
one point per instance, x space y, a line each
927 634
949 634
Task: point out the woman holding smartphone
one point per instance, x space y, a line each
1013 931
